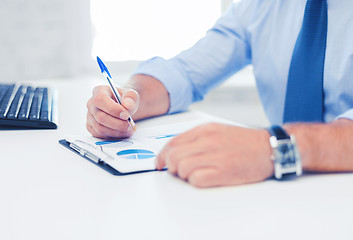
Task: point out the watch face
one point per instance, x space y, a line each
285 155
286 158
286 152
283 148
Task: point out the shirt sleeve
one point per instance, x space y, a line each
191 74
348 114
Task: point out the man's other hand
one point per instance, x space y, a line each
218 155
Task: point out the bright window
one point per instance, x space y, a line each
140 29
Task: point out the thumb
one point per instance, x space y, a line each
129 99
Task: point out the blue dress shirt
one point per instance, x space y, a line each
261 33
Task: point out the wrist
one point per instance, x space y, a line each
267 153
154 98
325 147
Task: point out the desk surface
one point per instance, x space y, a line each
47 192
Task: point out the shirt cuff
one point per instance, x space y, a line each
177 85
348 114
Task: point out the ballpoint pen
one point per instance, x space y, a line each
114 89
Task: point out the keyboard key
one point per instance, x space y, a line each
14 104
25 106
3 90
5 100
44 112
36 104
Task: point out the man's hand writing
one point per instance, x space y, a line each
108 119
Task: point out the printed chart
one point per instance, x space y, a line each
114 144
164 136
136 154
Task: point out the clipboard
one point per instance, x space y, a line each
137 153
96 160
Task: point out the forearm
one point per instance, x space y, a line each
325 147
154 98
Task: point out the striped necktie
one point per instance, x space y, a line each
304 96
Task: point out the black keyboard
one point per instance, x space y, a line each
24 106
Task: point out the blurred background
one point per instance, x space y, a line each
57 40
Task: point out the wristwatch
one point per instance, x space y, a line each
286 158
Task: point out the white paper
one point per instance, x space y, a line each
138 152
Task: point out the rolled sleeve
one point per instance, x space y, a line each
190 75
348 115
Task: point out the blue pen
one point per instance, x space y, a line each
107 75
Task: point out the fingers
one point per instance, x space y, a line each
103 99
107 120
180 146
194 155
187 154
193 166
101 131
105 117
130 100
185 167
205 177
172 153
197 156
93 132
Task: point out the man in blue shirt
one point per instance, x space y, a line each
264 34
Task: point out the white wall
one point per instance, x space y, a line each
44 38
226 4
50 39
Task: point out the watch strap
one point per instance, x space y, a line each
278 132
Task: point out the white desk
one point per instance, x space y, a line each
47 192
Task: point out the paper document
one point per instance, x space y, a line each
138 152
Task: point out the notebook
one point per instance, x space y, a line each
27 106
